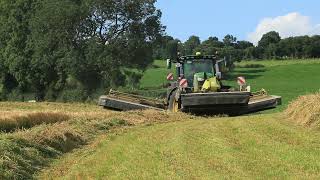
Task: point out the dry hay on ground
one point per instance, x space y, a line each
10 121
305 110
40 134
151 116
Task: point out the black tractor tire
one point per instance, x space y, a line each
174 105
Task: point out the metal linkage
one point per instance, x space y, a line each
137 99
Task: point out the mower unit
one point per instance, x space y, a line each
198 90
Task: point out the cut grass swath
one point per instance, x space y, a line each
305 110
29 120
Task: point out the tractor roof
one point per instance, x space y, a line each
184 58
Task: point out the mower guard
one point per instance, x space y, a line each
231 103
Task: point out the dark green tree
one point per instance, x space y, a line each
243 44
172 49
229 40
191 44
14 31
160 50
271 51
269 38
44 43
210 46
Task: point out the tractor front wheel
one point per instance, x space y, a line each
174 105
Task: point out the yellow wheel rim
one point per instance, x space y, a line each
175 106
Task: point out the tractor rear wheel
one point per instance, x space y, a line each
174 105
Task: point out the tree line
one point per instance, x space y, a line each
271 46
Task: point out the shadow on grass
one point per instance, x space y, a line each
251 71
251 66
235 76
248 74
154 66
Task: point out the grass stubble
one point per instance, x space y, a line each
277 146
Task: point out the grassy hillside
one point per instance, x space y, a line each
264 146
155 76
289 79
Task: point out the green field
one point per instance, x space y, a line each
82 141
155 76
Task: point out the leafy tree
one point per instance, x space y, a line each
252 53
210 46
312 50
269 38
271 51
232 55
172 49
14 31
229 40
54 29
243 44
160 50
191 44
43 43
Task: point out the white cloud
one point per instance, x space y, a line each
292 24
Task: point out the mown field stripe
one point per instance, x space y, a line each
264 146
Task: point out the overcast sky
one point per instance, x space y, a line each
246 19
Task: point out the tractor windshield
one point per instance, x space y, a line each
197 66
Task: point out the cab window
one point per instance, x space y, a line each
197 66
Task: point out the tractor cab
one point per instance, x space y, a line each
201 73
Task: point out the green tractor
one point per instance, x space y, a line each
197 89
